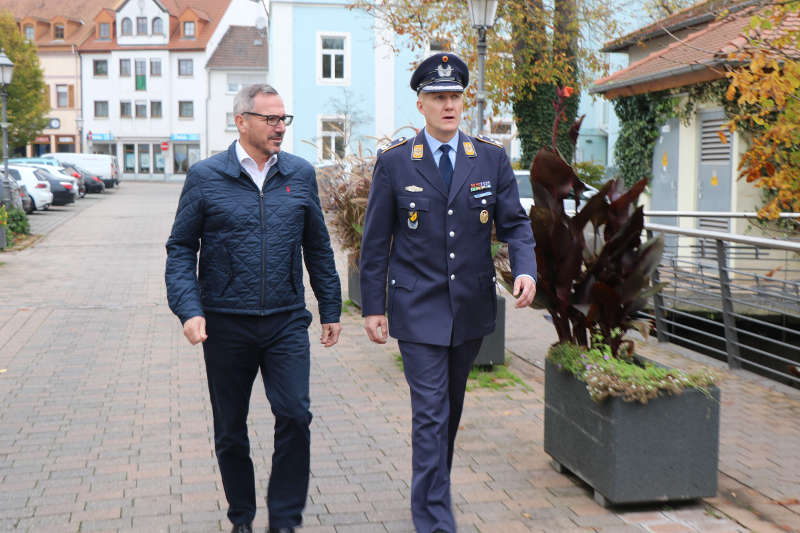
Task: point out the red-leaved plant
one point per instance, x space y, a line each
594 270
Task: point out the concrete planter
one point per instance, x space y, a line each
665 450
353 280
493 347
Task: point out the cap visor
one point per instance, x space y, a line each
442 87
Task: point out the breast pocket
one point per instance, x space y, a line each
482 209
415 214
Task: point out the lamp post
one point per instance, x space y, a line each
482 13
79 125
6 72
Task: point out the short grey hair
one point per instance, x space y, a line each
244 98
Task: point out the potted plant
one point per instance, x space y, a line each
344 191
631 429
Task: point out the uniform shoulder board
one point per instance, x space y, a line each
392 144
489 140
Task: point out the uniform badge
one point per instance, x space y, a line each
444 71
484 216
479 186
469 149
413 220
417 152
414 188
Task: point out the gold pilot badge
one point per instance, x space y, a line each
484 216
413 220
417 152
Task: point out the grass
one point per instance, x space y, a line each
480 377
349 307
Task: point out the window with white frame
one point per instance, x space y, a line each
333 54
125 68
188 29
185 67
237 81
29 34
101 108
141 25
62 96
127 26
185 109
332 130
155 67
158 26
125 109
141 109
105 31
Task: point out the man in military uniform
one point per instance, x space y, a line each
429 224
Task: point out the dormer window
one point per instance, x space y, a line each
29 32
58 31
127 26
188 28
158 26
141 25
104 31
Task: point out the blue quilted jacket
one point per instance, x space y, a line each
250 242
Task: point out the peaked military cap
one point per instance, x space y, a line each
440 72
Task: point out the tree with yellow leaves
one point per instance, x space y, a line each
766 89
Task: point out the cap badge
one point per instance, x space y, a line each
444 72
417 152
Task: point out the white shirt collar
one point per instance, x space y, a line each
243 156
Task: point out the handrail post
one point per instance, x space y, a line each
731 338
658 304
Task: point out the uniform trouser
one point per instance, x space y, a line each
236 348
437 377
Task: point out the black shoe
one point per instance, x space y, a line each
281 530
242 528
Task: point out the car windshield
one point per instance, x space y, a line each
524 186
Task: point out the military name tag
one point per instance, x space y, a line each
417 152
484 216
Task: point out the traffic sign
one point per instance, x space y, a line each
164 146
89 136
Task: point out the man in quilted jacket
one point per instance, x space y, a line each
253 213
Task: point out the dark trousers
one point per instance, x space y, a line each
237 347
437 377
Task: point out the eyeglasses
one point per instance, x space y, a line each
271 120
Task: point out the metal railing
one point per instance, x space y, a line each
734 297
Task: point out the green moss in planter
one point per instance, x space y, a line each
629 379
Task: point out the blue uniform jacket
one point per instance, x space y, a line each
250 242
435 246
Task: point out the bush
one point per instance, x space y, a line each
591 173
18 222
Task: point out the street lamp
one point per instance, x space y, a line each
6 72
79 125
482 13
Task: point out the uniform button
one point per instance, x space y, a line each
483 202
450 212
452 233
452 255
412 205
452 276
392 282
494 278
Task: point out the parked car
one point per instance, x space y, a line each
32 160
91 182
27 201
79 176
35 182
526 193
10 185
103 165
63 187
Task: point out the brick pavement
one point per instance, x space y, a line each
106 424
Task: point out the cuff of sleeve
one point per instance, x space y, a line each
526 276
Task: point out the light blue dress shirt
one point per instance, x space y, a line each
435 145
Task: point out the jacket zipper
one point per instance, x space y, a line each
263 244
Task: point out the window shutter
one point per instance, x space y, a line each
49 99
71 96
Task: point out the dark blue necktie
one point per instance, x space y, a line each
445 166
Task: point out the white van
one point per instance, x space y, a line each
105 166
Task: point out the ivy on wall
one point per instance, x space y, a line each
534 115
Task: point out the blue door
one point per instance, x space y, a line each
664 187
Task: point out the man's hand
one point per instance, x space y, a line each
330 334
373 323
526 286
194 329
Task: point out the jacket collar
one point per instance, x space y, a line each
233 167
